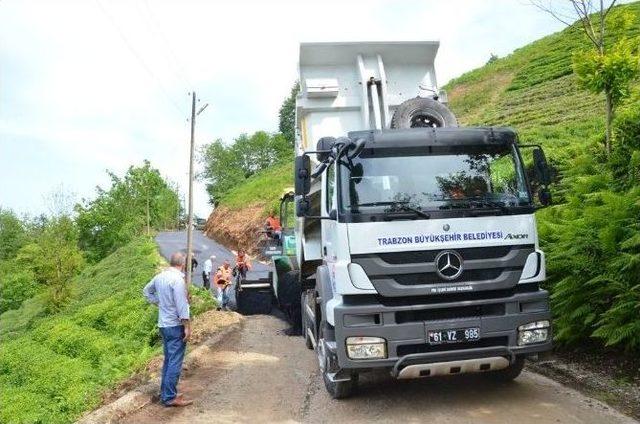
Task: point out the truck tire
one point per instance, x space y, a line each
289 292
510 373
422 112
341 389
337 389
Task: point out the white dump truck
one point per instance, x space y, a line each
417 249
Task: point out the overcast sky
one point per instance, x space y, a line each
91 85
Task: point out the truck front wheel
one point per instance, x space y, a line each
510 373
338 387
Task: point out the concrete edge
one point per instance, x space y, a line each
143 395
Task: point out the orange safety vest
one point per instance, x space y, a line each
274 223
223 276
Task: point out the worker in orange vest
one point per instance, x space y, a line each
273 226
243 264
222 280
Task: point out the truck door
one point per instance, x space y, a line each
329 203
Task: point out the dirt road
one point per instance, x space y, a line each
261 375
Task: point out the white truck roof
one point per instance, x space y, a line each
350 86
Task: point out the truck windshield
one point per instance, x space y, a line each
434 179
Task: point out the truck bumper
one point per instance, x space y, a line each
405 330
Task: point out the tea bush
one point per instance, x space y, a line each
55 367
591 237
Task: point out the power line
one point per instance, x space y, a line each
139 58
178 69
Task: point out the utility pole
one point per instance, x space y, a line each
177 223
191 154
190 220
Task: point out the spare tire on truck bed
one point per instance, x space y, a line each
422 112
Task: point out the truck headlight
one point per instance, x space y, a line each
534 332
366 348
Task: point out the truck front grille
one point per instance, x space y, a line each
430 255
460 312
413 273
432 278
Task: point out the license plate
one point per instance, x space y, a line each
456 335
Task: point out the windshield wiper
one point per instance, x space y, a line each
492 204
476 203
400 207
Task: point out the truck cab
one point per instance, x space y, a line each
417 250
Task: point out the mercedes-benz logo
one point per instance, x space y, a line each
446 227
448 264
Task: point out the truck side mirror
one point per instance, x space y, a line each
302 207
302 175
544 195
541 167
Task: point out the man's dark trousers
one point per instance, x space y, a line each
174 347
205 280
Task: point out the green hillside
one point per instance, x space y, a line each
55 367
535 91
266 187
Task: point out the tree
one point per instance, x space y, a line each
287 114
493 58
54 259
140 201
12 234
613 60
222 170
227 166
60 201
17 284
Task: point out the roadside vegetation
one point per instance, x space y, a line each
592 234
73 322
138 202
229 166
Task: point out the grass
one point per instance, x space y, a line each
265 187
53 368
534 90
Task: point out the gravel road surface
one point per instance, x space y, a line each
261 375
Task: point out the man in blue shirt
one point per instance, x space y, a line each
168 291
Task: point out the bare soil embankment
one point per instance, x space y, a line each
236 228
